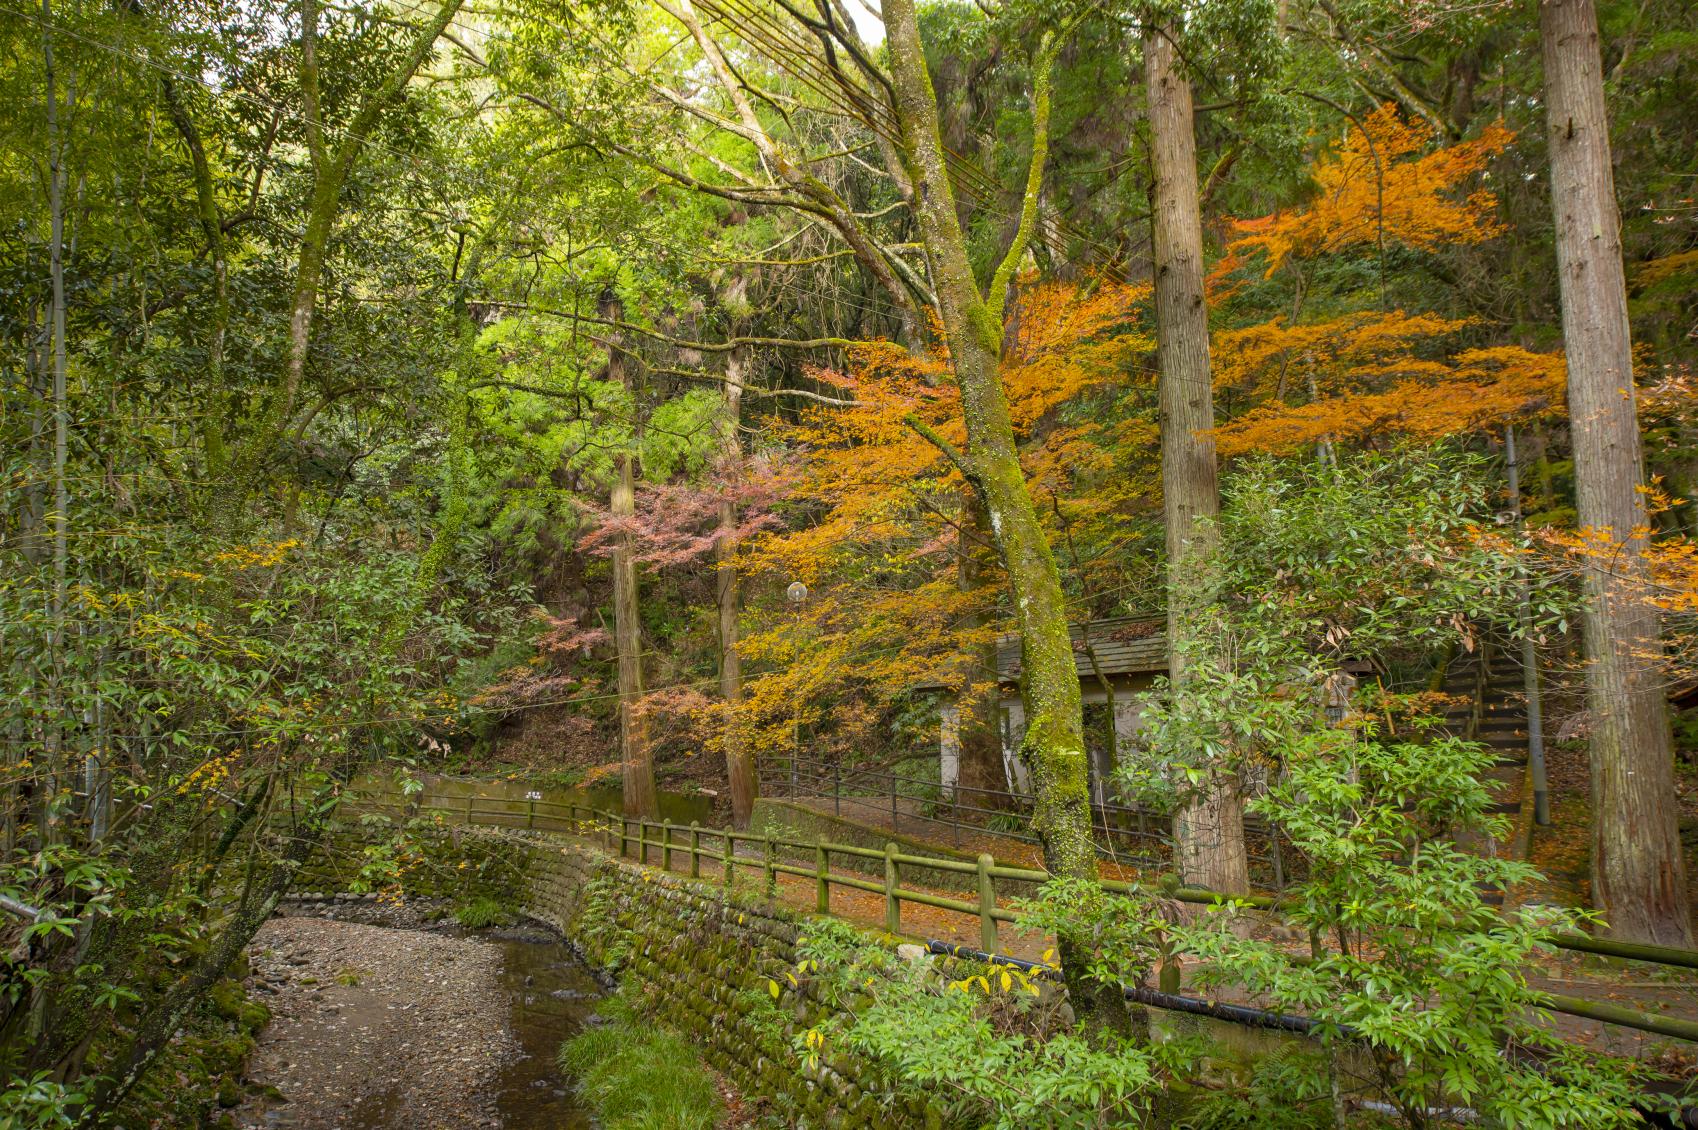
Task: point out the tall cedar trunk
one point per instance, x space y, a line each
634 754
1638 875
980 765
1054 746
56 763
1209 829
739 759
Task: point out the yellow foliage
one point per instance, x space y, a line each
260 555
884 505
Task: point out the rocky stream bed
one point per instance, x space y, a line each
384 1018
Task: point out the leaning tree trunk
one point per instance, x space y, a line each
1054 746
739 758
1209 827
634 754
1638 874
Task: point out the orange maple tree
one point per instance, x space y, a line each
1369 375
876 513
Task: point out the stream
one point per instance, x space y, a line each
550 994
385 1021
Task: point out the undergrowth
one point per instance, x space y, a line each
636 1077
482 912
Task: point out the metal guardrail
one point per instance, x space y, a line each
1126 834
631 836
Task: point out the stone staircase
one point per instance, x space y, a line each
1489 699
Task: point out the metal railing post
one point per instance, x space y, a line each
987 903
892 905
695 850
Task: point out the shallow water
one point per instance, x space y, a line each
551 995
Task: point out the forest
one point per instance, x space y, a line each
1231 465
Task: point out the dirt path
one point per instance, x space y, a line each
376 1028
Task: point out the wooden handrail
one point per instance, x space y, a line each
984 905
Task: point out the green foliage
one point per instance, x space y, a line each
483 912
635 1076
1378 557
996 1051
1407 957
1287 1089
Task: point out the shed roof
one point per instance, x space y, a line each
1123 645
1119 645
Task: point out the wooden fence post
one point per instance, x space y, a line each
530 813
892 905
695 850
822 872
666 845
987 903
767 861
468 810
624 834
729 867
643 839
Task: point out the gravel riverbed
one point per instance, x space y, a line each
375 1027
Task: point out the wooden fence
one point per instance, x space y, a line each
631 836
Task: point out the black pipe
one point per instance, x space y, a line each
1231 1013
1680 1118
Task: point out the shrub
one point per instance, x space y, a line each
482 912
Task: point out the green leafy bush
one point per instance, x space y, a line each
997 1050
482 912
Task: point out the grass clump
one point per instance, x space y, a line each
482 912
636 1077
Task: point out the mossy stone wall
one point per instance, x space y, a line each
705 959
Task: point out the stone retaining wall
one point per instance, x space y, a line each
704 958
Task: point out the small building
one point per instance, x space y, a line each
1118 659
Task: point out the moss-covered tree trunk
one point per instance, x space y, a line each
1209 827
1054 747
1638 872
